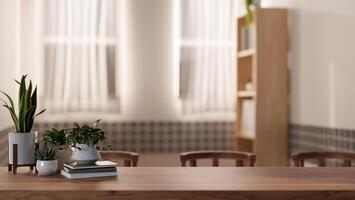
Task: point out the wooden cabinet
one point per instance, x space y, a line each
262 87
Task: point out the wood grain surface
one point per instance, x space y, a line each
187 183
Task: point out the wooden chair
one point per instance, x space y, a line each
299 158
242 158
130 158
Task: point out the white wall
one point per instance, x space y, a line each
7 54
29 39
18 51
322 61
147 91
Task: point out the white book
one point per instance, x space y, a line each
98 164
87 175
248 118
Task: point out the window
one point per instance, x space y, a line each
207 51
80 55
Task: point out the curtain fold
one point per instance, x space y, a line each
207 62
79 36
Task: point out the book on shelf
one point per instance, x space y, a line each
248 118
246 37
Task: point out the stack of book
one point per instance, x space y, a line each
99 169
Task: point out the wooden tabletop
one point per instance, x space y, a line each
187 183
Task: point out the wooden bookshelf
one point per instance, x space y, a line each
264 65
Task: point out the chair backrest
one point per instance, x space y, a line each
130 159
299 158
241 158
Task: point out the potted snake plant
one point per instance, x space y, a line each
58 140
23 118
83 139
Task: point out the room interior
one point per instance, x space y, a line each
168 77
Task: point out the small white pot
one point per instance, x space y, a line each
87 154
46 167
25 147
249 86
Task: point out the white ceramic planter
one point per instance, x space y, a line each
86 154
249 86
25 147
46 167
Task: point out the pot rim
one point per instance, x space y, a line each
32 132
86 144
47 160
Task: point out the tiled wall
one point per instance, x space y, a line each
156 136
175 137
312 138
4 146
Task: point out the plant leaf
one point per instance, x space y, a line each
21 117
93 125
10 100
27 105
249 14
42 111
34 97
22 90
29 118
13 116
28 96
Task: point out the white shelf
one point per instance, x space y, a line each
246 53
246 94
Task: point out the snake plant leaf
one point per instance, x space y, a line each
28 118
27 106
42 111
33 117
10 100
21 117
12 113
28 96
34 97
22 90
13 116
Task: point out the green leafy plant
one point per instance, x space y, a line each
46 153
27 105
55 137
249 14
89 135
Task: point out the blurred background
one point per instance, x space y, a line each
162 74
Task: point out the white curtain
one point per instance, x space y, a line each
207 55
80 55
